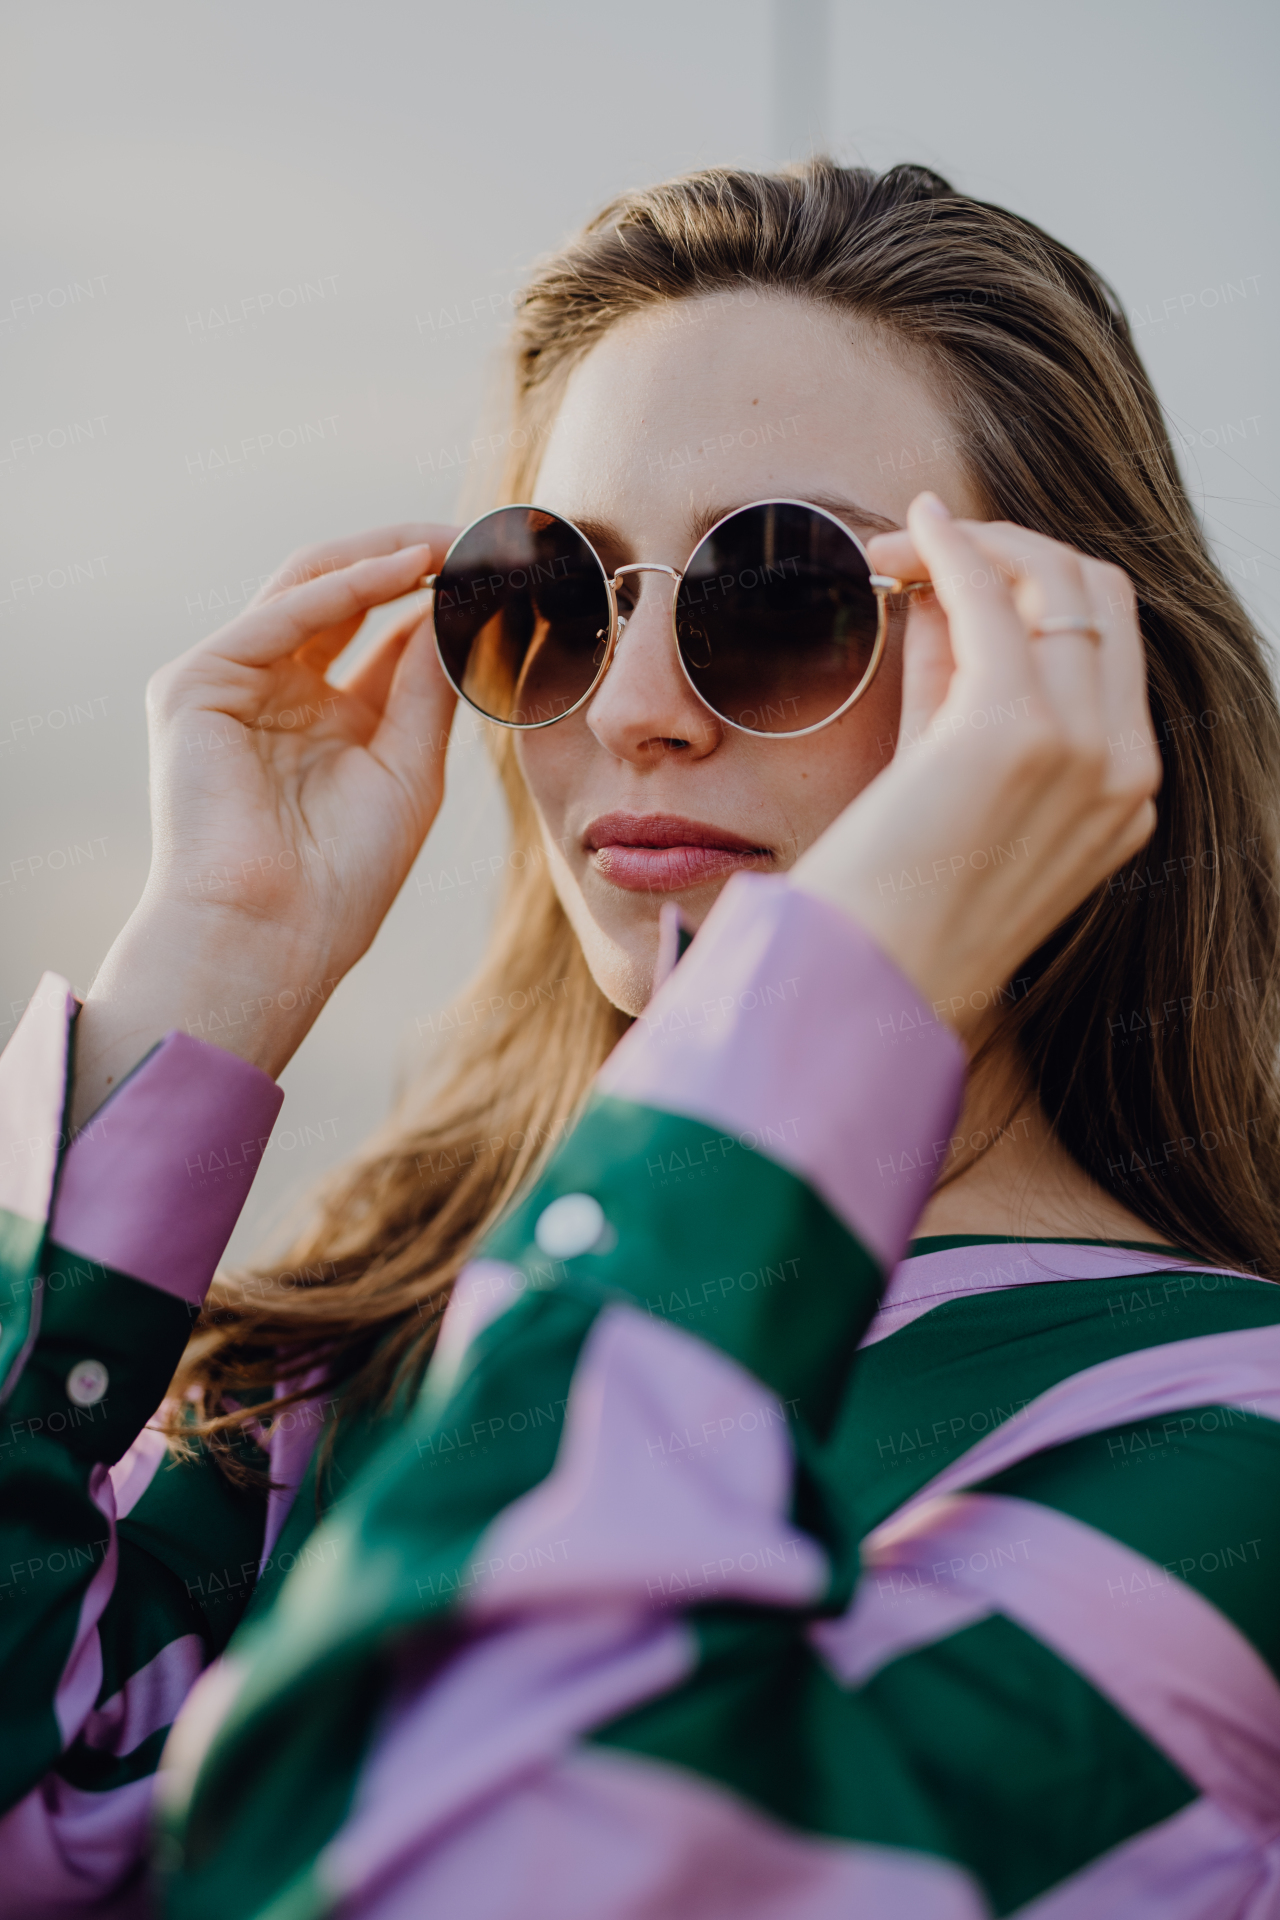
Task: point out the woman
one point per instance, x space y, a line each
847 1476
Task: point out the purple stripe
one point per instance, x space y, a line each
788 1028
1215 1369
149 1698
669 924
64 1850
204 1712
33 1085
81 1678
289 1451
611 1836
505 1704
895 1609
134 1471
155 1185
1197 1865
672 1484
934 1279
483 1290
1165 1655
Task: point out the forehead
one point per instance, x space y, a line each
696 406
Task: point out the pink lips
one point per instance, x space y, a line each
664 853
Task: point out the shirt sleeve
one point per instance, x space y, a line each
122 1570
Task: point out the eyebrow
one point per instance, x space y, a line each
856 516
607 540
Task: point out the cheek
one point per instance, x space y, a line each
834 766
555 764
881 712
543 765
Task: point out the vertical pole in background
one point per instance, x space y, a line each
801 61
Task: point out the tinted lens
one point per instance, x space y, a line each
776 619
522 616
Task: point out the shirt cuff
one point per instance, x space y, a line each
154 1184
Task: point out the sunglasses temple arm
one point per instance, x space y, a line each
889 584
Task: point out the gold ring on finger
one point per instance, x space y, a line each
1067 623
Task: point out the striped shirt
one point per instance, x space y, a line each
740 1557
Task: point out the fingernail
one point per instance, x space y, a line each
929 503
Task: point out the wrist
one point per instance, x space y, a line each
926 954
253 992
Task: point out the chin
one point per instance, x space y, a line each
623 970
623 957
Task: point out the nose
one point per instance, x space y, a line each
645 709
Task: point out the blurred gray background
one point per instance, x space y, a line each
299 226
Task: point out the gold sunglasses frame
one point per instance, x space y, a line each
884 586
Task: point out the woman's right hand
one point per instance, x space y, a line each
286 811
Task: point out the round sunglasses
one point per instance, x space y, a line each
779 621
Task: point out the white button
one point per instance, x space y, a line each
87 1382
570 1225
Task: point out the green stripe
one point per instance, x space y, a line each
762 1716
985 1750
206 1533
1038 1772
20 1243
54 1543
95 1772
90 1312
149 1608
240 1851
55 1536
921 1397
717 1239
393 1558
348 1443
1197 1492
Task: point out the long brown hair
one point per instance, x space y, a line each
1150 1023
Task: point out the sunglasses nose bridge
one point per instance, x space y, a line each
645 566
675 575
639 566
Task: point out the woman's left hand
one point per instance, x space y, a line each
1026 767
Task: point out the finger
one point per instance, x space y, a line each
927 667
330 556
1133 752
1112 671
1046 580
413 734
895 553
320 611
988 639
371 682
320 652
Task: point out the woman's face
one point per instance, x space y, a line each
677 416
